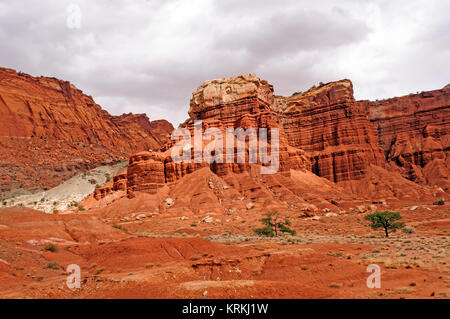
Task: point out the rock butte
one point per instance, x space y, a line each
374 149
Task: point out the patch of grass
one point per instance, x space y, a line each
194 258
52 265
335 285
409 230
404 290
99 271
120 227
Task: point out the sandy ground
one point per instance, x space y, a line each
153 259
71 191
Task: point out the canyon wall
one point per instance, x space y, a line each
333 129
50 130
414 133
358 144
240 102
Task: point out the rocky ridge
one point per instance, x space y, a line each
50 130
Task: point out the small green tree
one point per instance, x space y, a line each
273 226
386 220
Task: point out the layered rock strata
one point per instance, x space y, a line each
50 130
333 129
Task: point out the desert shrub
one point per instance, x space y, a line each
51 247
120 227
81 208
409 230
52 265
273 226
439 202
99 271
386 220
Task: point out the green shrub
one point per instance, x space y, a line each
120 227
273 226
386 220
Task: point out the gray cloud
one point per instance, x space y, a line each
149 56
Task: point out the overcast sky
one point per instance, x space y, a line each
148 56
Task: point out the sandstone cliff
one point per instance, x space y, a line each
333 129
414 133
323 130
50 130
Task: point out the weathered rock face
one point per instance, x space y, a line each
333 129
145 172
323 130
50 130
241 102
215 94
414 133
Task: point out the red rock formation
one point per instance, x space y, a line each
414 132
333 129
323 130
145 172
50 130
240 102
